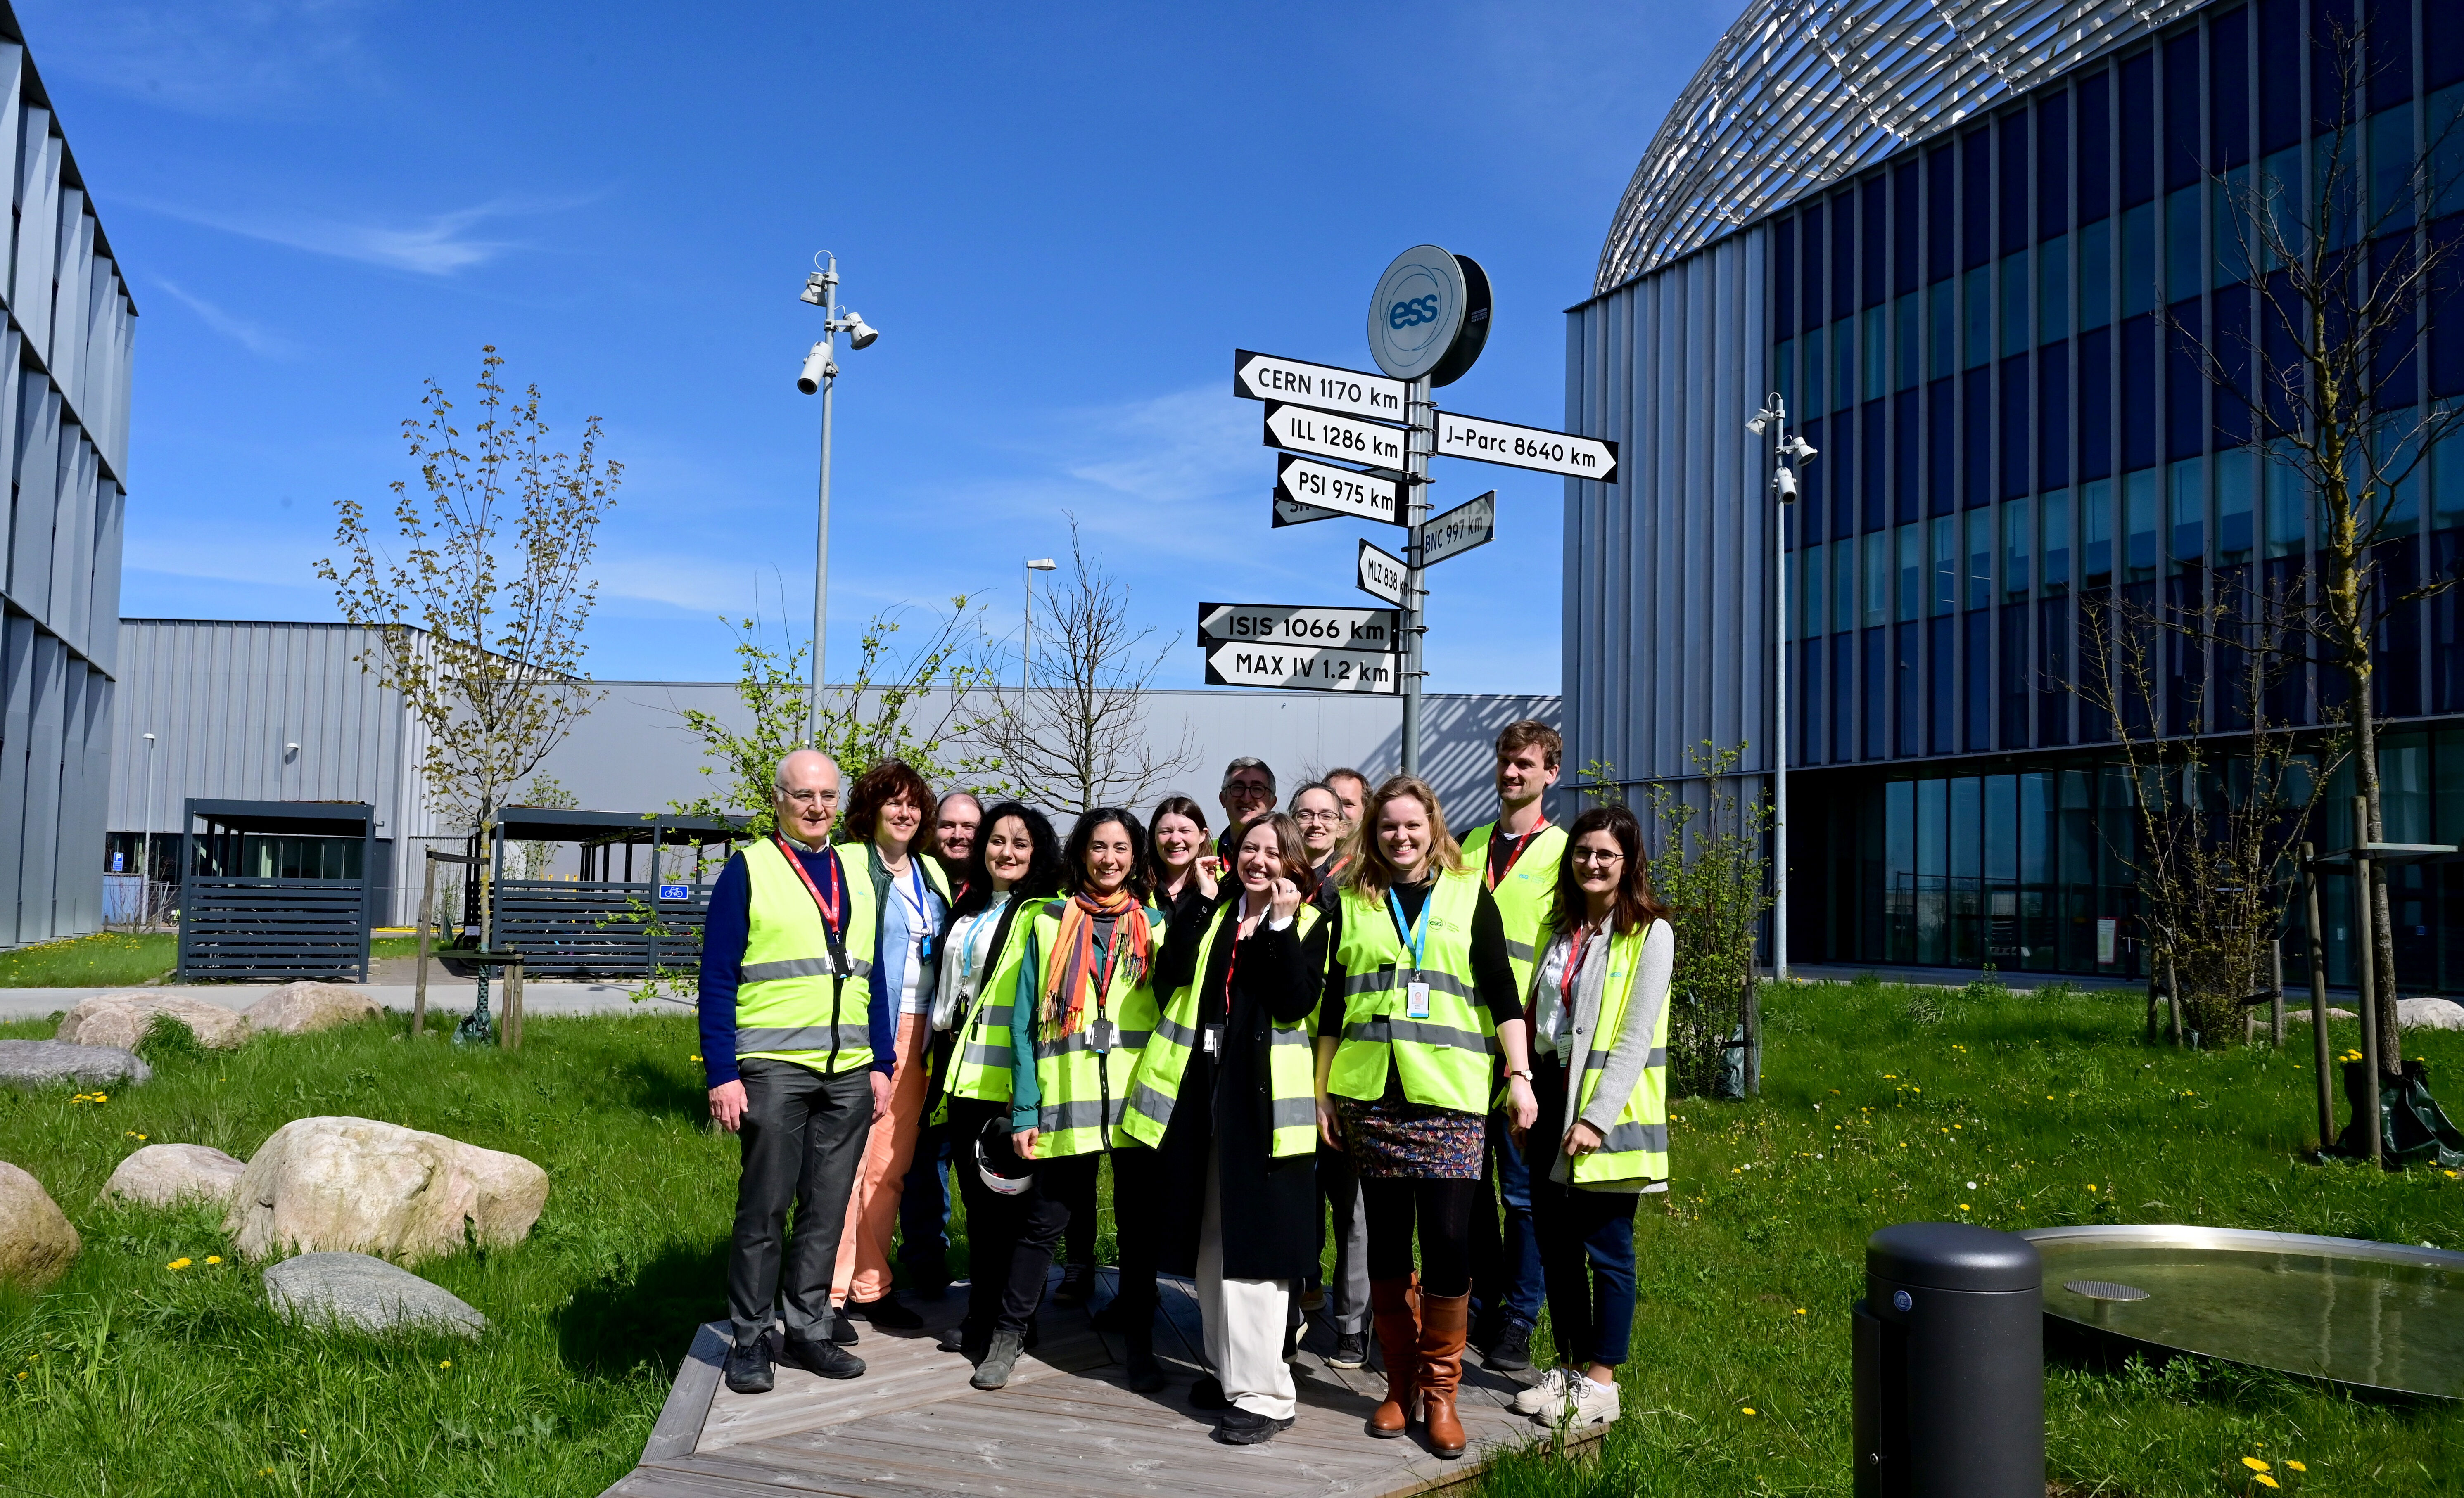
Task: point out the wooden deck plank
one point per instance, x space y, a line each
688 1408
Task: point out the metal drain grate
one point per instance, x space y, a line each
2104 1290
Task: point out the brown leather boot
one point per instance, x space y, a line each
1394 1306
1443 1322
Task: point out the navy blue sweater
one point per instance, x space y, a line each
728 927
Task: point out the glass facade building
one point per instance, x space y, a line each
1991 328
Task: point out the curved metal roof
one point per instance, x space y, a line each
1800 93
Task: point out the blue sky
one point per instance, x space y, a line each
1064 219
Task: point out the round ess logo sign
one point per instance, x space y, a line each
1416 312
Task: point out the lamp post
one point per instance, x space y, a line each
1027 646
145 858
1774 418
820 373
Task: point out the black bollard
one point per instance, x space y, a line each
1951 1365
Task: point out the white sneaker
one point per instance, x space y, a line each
1589 1403
1547 1395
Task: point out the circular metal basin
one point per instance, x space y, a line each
2369 1315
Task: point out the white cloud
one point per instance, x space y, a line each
250 335
439 244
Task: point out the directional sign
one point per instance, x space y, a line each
1472 523
1292 512
1298 623
1263 377
1300 668
1382 576
1525 447
1305 431
1346 491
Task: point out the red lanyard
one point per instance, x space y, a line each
833 908
1522 845
1574 966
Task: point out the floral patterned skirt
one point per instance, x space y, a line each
1412 1140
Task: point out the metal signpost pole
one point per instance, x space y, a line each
1780 505
822 539
1416 515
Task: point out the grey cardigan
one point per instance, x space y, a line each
1629 1051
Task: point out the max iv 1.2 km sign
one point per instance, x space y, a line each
1300 668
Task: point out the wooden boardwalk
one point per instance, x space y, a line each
1065 1427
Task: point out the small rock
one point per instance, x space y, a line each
297 1008
351 1289
2430 1014
37 1242
162 1175
357 1185
48 1063
120 1020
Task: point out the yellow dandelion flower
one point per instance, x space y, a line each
213 1258
1800 1310
1963 1207
2263 1480
2256 1464
1747 1410
177 1264
2296 1465
2091 1186
448 1363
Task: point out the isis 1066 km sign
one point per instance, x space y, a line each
1300 647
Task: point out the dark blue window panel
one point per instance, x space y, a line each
1904 220
2395 374
1813 486
2185 664
1975 198
1908 638
1870 444
2096 404
2138 392
1976 407
2442 44
2052 164
1937 211
1905 459
2329 102
2138 129
1978 669
1843 253
2017 680
2279 74
1843 459
2277 352
1942 687
1784 277
1808 703
2095 725
2447 625
1941 433
2396 683
2388 31
2186 382
1811 315
2445 307
2094 146
2228 90
2136 617
2183 153
2015 427
1844 700
1878 676
2054 671
2288 693
2230 349
2054 415
1874 217
2236 610
2014 182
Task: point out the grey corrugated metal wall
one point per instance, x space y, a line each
64 388
1667 592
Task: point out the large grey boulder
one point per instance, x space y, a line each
36 1243
29 1063
122 1019
359 1185
162 1175
297 1008
353 1291
2430 1014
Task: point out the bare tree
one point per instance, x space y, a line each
481 630
1075 736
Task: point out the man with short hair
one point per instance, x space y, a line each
1248 791
956 825
1518 856
924 1202
1351 788
798 1056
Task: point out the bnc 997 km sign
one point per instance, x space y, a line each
1298 623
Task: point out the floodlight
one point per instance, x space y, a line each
817 367
1760 420
1784 484
860 334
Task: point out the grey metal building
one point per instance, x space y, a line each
64 386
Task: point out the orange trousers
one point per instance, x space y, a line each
872 1208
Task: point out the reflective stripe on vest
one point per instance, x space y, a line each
1636 1146
1443 1060
1085 1093
1292 1083
793 1005
1525 896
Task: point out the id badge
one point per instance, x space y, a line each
1416 1001
1212 1039
1101 1034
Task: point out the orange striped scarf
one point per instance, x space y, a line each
1069 973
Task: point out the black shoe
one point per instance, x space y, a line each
926 1279
1114 1317
1143 1374
1207 1394
748 1368
963 1338
886 1313
1351 1350
1240 1428
999 1358
1077 1283
1511 1351
824 1359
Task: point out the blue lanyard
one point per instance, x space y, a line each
1416 933
967 943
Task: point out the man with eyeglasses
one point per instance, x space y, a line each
1248 792
798 1056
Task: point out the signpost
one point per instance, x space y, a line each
1297 623
1345 491
1264 376
1294 511
1300 668
1386 576
1464 527
1535 448
1305 431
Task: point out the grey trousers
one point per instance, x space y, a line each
803 1137
1338 1186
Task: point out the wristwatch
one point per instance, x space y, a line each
1525 1074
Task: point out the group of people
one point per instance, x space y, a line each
1335 1018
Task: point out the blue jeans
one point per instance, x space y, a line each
1506 1258
924 1210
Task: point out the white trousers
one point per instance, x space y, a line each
1244 1320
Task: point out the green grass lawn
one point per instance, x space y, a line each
124 959
144 1380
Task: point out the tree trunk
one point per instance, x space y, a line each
2377 945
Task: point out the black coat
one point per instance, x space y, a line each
1270 1205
